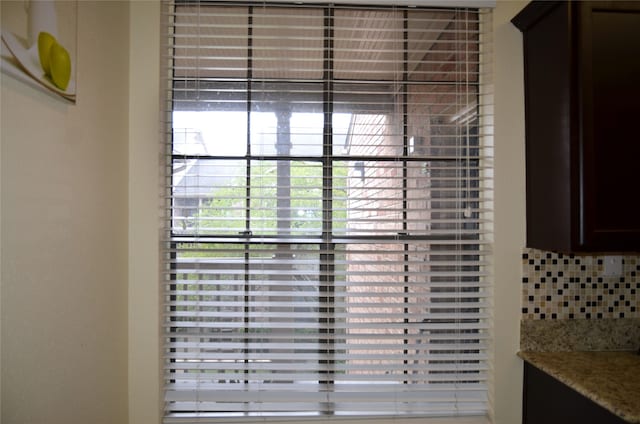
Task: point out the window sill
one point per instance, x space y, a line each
298 420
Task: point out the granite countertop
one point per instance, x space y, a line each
611 379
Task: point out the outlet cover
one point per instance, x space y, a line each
612 266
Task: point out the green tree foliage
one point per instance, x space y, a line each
226 212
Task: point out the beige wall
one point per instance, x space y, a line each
66 198
509 206
145 404
64 236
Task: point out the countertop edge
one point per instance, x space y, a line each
537 360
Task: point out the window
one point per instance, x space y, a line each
329 206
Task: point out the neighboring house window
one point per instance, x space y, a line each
329 211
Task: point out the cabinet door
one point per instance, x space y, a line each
548 401
610 91
549 135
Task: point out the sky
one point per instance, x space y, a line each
224 133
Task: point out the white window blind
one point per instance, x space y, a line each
328 188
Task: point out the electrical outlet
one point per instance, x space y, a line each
612 266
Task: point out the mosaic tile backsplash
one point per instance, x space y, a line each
561 286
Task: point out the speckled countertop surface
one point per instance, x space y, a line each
610 379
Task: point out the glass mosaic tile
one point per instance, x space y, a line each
560 286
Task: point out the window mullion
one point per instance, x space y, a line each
327 257
248 179
405 151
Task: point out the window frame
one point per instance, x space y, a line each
326 238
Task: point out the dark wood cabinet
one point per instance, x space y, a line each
582 106
549 401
